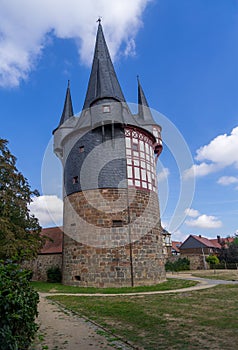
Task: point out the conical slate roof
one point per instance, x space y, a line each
103 82
68 107
143 106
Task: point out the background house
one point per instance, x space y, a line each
50 255
175 248
197 248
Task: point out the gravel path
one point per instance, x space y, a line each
61 330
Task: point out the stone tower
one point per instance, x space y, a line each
112 228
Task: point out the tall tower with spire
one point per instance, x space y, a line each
112 227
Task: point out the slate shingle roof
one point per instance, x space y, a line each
103 82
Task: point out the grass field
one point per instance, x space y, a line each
60 288
206 319
228 275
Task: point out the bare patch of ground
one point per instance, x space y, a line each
61 330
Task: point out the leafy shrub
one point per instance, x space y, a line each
54 274
182 264
212 260
18 308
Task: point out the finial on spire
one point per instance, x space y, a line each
68 83
99 19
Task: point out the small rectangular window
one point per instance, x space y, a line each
135 146
81 149
143 174
144 184
142 147
106 109
134 140
75 179
128 142
136 154
129 171
137 173
147 148
117 223
142 155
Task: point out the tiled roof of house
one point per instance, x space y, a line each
54 244
207 242
220 241
176 245
215 243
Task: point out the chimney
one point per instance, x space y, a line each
219 239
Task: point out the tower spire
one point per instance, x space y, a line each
143 106
103 82
68 107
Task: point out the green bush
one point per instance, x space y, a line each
54 274
212 260
18 308
182 264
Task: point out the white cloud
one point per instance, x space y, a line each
220 153
227 180
48 209
26 27
202 169
179 236
163 175
221 150
204 221
193 213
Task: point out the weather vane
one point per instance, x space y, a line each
99 19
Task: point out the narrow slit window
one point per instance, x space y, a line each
75 180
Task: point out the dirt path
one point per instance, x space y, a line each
61 330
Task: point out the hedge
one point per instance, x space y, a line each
18 308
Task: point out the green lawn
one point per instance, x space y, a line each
228 275
206 319
60 288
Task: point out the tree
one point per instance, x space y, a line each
19 229
229 251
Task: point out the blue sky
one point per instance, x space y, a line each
186 55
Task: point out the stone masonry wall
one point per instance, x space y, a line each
111 238
40 265
196 261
